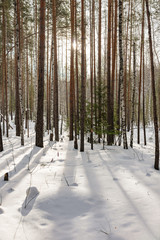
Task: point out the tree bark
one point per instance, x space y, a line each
156 163
39 124
56 113
5 69
72 90
1 142
17 113
140 78
99 75
19 66
109 107
83 76
121 77
133 93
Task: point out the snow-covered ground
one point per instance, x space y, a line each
58 193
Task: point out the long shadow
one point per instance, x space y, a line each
128 199
134 168
28 162
21 170
67 208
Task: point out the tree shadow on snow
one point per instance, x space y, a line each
31 195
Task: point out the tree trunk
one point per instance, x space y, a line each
99 75
56 114
66 73
133 92
109 107
140 78
83 76
19 48
39 124
1 142
72 97
156 164
121 77
91 66
77 77
17 113
5 69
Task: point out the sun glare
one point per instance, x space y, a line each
74 45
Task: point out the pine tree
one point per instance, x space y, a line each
39 123
56 114
72 90
83 76
156 164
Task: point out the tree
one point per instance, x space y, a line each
140 78
5 68
83 76
17 113
99 72
1 142
19 68
121 80
156 164
39 123
109 106
91 66
133 93
72 89
56 114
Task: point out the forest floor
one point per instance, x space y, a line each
58 193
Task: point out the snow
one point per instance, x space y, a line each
60 193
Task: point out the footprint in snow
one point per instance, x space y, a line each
10 190
74 184
115 179
1 211
148 174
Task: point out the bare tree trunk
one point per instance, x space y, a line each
56 114
91 66
27 91
94 67
1 142
121 77
99 75
156 164
144 109
36 59
130 78
5 69
40 105
125 64
72 90
48 104
77 77
66 73
109 107
83 76
114 57
18 42
140 78
133 93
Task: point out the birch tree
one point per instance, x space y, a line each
18 45
121 77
